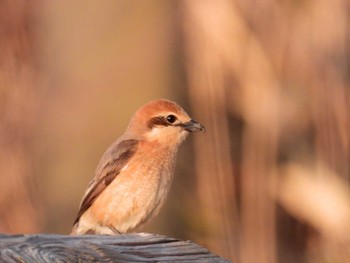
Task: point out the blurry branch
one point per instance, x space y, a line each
219 46
206 76
317 196
18 81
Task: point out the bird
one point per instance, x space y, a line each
134 175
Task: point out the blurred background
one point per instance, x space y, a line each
269 180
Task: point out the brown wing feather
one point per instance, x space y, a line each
112 162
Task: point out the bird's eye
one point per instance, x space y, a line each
171 118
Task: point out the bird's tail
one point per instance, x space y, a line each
74 231
79 231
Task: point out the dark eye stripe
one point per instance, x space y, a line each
157 121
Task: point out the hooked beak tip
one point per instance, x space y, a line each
193 126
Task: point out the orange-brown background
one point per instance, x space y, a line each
268 182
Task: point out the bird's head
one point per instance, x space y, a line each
164 121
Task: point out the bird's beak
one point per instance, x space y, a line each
193 126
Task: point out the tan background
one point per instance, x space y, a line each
268 182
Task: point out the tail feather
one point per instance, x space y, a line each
78 231
74 230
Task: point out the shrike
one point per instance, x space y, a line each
133 177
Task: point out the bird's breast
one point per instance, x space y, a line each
138 192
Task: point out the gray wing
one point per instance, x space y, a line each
112 162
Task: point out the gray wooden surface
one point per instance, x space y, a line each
101 248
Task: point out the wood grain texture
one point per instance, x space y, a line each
101 248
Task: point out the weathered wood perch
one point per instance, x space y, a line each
101 248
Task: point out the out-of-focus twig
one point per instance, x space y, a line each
19 202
